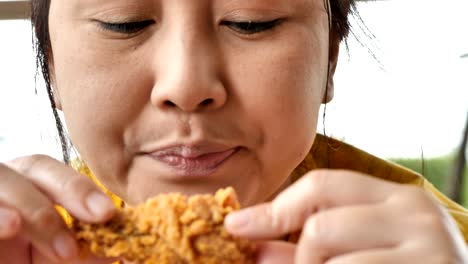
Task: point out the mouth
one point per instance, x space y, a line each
193 162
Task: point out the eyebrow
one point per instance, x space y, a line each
89 7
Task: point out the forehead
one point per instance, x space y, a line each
79 5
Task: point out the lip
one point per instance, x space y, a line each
193 161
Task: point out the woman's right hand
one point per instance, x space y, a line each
31 230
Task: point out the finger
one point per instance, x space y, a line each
39 258
98 260
10 223
275 252
318 190
343 230
16 250
41 223
404 253
78 194
381 256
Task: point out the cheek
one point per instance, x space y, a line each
97 100
282 89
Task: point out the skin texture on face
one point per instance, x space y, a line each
189 78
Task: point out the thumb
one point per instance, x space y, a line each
96 260
275 252
264 221
38 258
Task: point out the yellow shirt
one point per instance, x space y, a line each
333 154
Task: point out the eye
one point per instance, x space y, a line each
127 27
250 27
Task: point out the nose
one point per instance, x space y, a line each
189 75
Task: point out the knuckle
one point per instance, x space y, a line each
73 184
415 196
317 177
314 234
11 223
3 168
424 209
45 218
431 221
282 224
446 259
5 176
317 180
413 193
25 165
314 228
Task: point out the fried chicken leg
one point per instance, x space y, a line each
170 228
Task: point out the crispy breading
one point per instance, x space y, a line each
170 228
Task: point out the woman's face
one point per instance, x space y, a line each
187 95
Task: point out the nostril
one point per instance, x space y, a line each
207 102
169 103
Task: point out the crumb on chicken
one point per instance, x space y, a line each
170 228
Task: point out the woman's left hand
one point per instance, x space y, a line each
348 217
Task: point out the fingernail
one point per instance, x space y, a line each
99 204
65 246
237 220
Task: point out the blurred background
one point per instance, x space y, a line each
401 87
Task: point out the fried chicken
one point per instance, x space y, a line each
170 228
